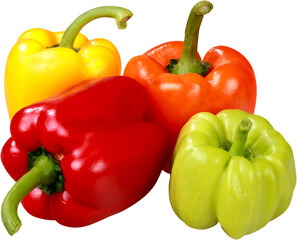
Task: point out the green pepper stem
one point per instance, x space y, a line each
239 144
189 62
121 15
43 172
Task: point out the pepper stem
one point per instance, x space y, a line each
189 62
238 147
121 15
43 172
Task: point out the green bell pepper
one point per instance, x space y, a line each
232 168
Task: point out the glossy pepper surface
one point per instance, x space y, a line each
180 84
233 168
89 151
43 63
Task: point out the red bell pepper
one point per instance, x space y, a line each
89 151
180 84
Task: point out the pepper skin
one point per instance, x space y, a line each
180 88
232 168
98 155
43 63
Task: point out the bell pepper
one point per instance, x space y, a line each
233 168
180 84
43 63
83 155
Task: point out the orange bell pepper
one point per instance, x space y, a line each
180 84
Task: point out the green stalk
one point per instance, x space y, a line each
44 171
189 62
238 147
121 15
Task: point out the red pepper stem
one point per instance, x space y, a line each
189 62
239 144
43 172
121 15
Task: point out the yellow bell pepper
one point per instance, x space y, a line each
43 63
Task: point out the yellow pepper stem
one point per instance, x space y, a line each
121 15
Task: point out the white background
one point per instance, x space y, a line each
264 31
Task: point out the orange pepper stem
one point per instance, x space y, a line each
189 62
238 147
121 15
